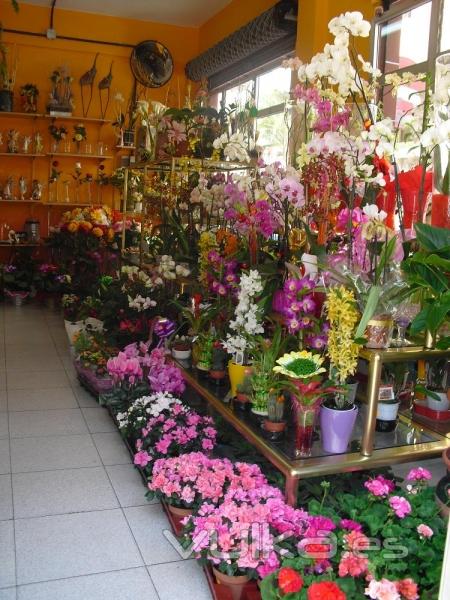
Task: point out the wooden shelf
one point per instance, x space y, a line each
72 155
20 201
24 154
24 115
125 147
63 204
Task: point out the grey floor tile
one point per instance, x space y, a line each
148 524
35 423
8 594
2 379
34 363
6 511
111 448
3 425
434 465
5 464
62 546
3 400
84 398
19 400
32 380
62 491
128 485
48 453
115 585
25 350
28 333
98 420
180 580
7 560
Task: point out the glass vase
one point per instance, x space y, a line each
305 419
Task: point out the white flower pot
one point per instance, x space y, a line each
72 329
181 354
387 411
438 405
94 324
310 264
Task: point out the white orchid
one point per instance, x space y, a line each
374 213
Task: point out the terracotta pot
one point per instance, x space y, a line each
274 426
217 375
235 583
178 514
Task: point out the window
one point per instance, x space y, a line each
409 37
269 88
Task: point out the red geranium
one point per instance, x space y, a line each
325 590
289 581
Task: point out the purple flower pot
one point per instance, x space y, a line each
336 427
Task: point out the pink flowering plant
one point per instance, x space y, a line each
180 430
189 480
243 534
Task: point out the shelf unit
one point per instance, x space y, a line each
79 119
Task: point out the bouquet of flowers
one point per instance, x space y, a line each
189 480
93 351
133 419
180 431
51 279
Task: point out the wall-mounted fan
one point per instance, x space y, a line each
151 63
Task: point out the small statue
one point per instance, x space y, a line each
8 189
36 190
22 187
13 141
38 145
26 144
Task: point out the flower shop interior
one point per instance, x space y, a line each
224 300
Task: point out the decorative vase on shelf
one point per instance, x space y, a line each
305 416
236 374
440 203
379 331
6 101
336 428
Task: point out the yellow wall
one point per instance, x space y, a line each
37 57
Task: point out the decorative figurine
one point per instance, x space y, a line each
38 145
22 187
61 97
26 144
105 84
8 189
29 94
36 190
88 80
13 141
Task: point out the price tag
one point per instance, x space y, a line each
386 392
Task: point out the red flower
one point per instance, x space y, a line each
325 590
289 581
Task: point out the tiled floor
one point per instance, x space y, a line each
74 522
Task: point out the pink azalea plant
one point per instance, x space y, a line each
191 479
174 432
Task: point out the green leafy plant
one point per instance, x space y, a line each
428 275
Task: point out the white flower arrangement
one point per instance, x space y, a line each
140 303
247 321
168 269
234 146
144 408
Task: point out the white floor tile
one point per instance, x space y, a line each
19 400
62 546
6 511
34 363
32 380
111 448
7 560
5 464
48 453
117 585
35 423
180 580
148 524
98 420
8 594
128 485
62 491
84 398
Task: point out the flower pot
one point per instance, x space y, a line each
235 583
236 374
241 401
439 405
177 515
305 419
446 459
217 375
387 416
6 101
184 354
17 298
336 427
379 331
94 324
442 496
274 429
73 328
